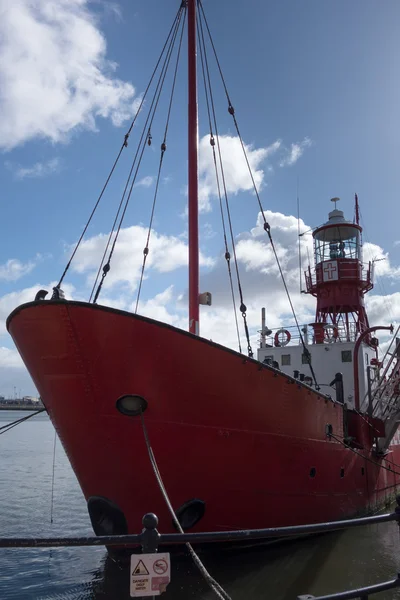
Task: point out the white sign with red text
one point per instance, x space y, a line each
150 574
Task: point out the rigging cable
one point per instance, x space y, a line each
212 143
52 477
124 145
214 585
151 115
243 308
9 426
163 149
267 228
365 457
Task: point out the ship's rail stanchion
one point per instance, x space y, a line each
150 535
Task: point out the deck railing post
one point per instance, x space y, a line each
149 535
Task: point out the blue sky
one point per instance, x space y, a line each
316 94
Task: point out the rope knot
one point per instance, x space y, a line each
227 256
149 138
126 140
243 308
146 251
212 140
163 147
231 110
106 268
267 228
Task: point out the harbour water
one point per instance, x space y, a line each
326 564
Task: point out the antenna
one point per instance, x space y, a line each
335 200
298 230
357 210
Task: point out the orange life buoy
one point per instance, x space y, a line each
278 341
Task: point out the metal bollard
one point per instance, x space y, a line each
149 535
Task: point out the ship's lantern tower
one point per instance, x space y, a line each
339 279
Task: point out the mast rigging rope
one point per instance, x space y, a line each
243 308
145 140
267 228
163 149
124 145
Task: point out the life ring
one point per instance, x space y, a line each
278 341
331 333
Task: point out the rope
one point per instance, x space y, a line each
9 426
151 115
124 145
305 349
163 149
364 457
243 308
212 143
52 477
231 111
214 585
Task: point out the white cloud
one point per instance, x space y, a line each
382 265
14 269
237 177
13 374
295 152
261 283
54 73
146 181
39 169
10 358
167 253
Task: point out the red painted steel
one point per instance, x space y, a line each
237 435
193 213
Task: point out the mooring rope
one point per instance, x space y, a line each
214 585
9 426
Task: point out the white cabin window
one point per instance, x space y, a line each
347 356
285 360
268 359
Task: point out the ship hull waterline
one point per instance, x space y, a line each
249 442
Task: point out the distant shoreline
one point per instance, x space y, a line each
21 407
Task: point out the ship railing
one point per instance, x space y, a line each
344 334
313 275
386 391
361 593
149 541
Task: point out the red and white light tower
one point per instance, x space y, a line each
339 279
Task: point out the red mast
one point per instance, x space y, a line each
193 178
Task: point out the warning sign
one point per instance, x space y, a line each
160 566
150 574
140 569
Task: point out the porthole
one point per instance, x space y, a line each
131 405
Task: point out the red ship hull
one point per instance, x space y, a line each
248 441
